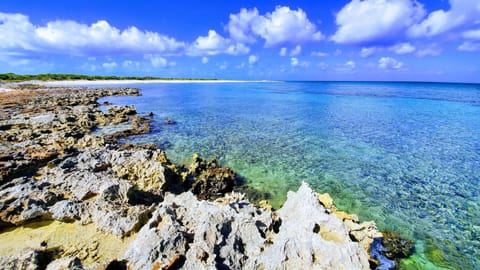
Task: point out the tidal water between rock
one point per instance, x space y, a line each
406 155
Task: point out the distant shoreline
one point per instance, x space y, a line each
105 82
6 87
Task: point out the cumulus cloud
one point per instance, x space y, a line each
204 60
402 48
240 24
214 44
462 13
158 61
350 65
375 21
472 34
367 52
294 61
347 67
468 46
65 36
432 50
252 59
296 51
297 63
283 25
283 51
389 63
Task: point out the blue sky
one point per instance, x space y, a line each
288 40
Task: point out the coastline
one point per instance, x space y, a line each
141 181
9 86
123 82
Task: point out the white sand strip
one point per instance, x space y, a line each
110 82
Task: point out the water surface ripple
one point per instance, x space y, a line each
406 155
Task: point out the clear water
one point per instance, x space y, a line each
406 155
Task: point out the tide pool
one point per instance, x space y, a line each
406 155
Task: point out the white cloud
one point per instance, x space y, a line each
283 51
347 67
296 51
283 25
350 64
297 63
337 52
319 54
239 25
204 60
472 34
156 60
389 63
432 50
294 61
402 48
367 52
252 59
468 46
372 21
109 65
17 32
223 66
214 44
462 13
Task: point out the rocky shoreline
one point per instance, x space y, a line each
81 200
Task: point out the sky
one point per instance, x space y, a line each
380 40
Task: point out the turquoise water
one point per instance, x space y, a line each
406 155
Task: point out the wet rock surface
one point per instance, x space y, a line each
54 168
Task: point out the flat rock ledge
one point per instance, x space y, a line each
166 216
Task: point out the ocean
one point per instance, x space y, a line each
406 155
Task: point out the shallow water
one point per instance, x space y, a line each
406 155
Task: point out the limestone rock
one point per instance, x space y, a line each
200 234
309 238
66 263
22 200
68 211
29 259
231 233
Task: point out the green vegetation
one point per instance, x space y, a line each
12 77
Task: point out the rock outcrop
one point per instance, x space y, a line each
233 234
55 169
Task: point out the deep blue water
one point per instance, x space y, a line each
406 155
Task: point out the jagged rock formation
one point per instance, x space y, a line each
234 234
52 167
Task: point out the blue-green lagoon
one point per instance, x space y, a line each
406 155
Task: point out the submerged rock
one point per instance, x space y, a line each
209 179
396 246
55 168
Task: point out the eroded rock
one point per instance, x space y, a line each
231 233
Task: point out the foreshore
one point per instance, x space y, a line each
71 196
